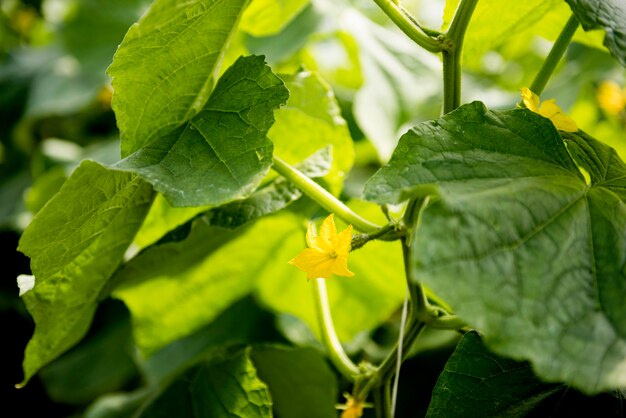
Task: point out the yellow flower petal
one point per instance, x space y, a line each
530 99
314 263
328 228
340 266
549 109
342 241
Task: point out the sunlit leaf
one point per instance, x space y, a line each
75 243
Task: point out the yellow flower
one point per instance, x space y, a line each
327 253
549 109
352 408
611 98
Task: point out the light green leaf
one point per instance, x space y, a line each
175 288
222 154
609 15
165 69
268 17
477 383
220 389
243 323
75 244
312 116
537 257
300 381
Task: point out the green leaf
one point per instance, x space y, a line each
223 153
165 68
268 17
609 15
224 389
471 150
75 244
300 381
537 260
175 288
312 115
266 200
477 383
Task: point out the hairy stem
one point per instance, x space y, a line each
322 196
338 357
452 55
555 55
407 24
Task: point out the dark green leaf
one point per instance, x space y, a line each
165 69
300 381
609 15
111 344
223 153
477 383
75 243
225 389
517 242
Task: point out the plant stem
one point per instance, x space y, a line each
322 196
335 351
409 25
452 55
386 368
555 55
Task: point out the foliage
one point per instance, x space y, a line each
160 280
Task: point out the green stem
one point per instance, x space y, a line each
384 372
452 55
555 55
409 25
335 351
322 196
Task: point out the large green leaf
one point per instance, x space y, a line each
222 153
173 289
220 389
75 243
312 115
300 381
477 383
165 69
609 15
517 242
